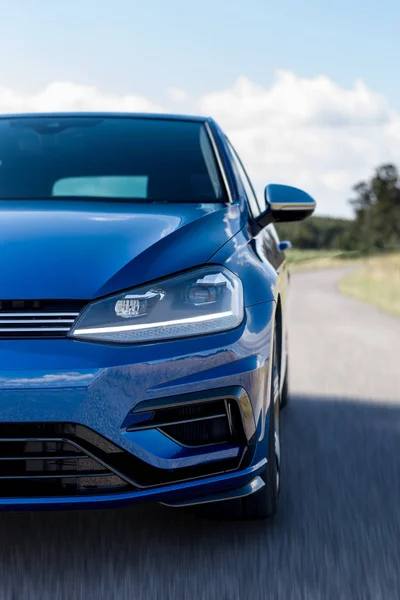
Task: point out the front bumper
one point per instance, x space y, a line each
182 494
97 386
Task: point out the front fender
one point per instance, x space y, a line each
259 277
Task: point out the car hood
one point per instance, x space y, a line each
83 250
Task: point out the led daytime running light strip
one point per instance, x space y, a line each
138 327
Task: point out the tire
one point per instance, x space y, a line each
262 504
285 388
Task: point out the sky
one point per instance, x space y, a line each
308 92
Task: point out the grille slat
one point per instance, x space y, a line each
37 314
37 318
35 439
43 457
36 329
180 422
55 475
34 320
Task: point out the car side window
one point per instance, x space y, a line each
244 179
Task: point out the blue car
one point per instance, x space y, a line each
143 334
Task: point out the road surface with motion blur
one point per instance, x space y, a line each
337 534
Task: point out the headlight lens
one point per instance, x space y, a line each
204 301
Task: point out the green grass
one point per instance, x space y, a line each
377 282
316 259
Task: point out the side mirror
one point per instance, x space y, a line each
285 203
285 245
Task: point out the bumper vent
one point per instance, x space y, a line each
194 424
52 467
37 318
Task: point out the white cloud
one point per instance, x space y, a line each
306 132
64 95
177 95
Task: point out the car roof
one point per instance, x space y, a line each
125 115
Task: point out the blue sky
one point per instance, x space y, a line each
126 46
197 45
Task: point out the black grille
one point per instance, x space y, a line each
52 466
201 433
195 424
37 318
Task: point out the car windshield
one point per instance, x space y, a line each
136 159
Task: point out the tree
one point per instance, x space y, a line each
315 233
377 212
376 223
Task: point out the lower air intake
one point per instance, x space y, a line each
52 467
195 424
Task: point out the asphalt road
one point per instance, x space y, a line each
337 534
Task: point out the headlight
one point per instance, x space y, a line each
207 300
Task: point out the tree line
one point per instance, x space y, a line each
376 223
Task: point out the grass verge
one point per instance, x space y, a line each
377 282
318 259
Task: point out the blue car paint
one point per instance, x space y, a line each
86 250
